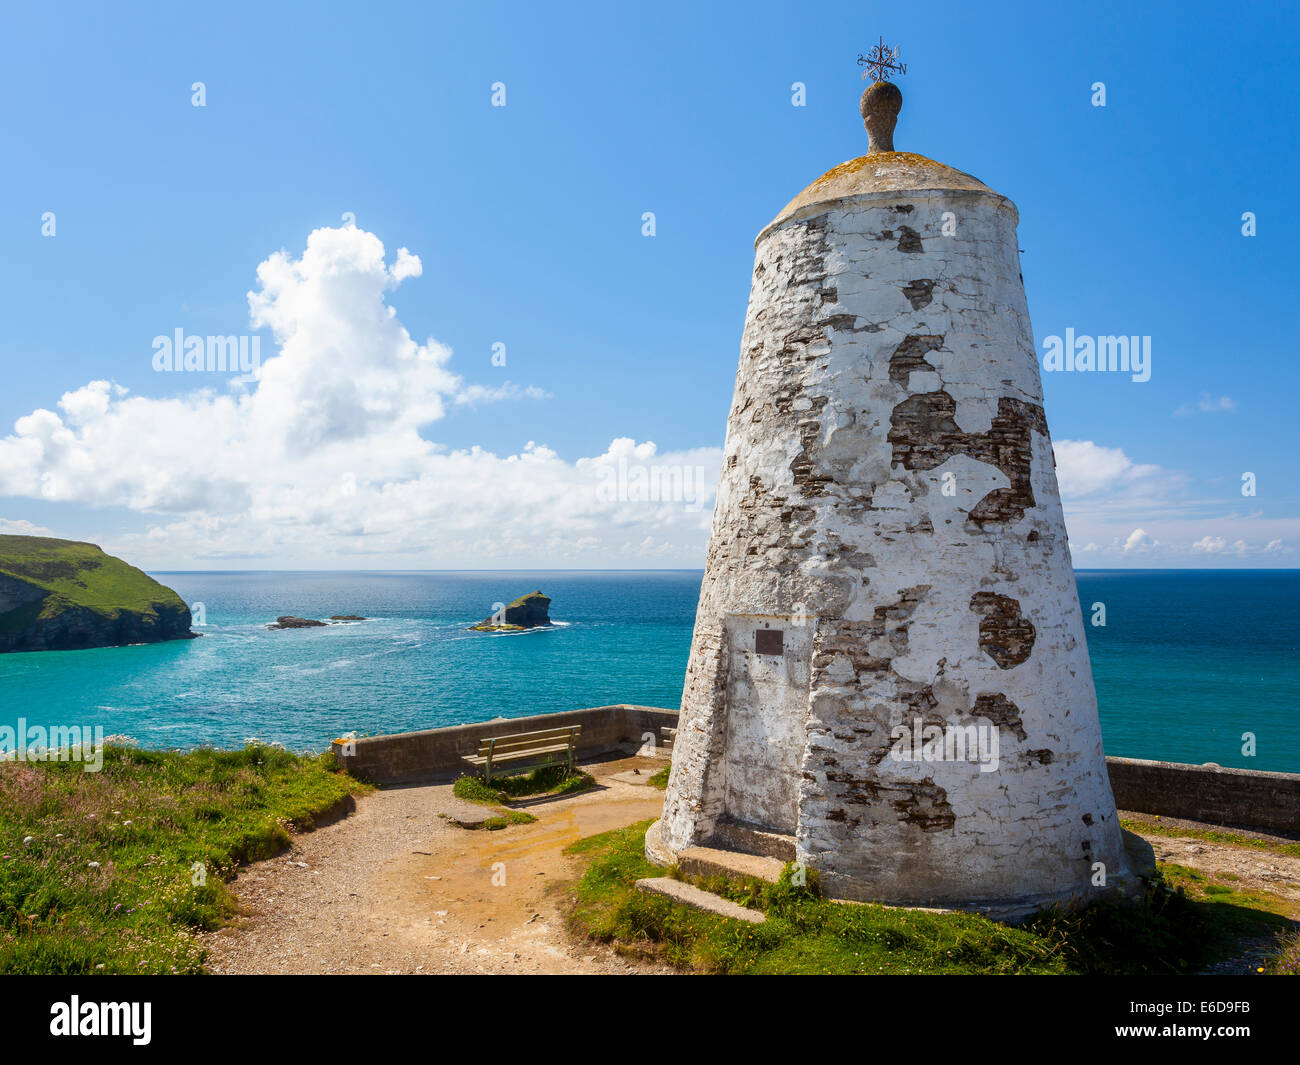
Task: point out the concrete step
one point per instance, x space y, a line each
709 861
697 899
736 837
666 737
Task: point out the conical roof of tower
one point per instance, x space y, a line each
882 170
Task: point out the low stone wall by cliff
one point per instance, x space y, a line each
1240 798
436 754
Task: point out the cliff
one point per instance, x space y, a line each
59 595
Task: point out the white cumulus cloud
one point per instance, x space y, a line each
321 456
1140 540
1084 468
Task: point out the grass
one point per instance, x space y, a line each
116 871
510 817
545 780
660 779
1212 835
1236 916
1172 931
1287 961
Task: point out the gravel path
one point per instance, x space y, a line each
397 888
1244 868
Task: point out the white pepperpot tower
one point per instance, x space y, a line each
889 679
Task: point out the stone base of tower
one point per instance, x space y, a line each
1125 884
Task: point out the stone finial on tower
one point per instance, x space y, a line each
882 100
880 106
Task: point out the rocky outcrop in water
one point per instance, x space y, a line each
289 621
529 611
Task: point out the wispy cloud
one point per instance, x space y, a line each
1207 404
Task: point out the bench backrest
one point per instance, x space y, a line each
523 742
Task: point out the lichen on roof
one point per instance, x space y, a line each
909 163
883 172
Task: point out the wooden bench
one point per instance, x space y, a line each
526 750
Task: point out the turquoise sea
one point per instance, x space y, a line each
1187 662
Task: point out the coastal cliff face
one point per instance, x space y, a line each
61 595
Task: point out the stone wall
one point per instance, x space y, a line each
1237 798
436 754
1242 798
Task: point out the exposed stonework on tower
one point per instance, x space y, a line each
889 559
919 292
1006 635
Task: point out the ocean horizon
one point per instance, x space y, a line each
1187 663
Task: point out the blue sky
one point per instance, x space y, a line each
527 223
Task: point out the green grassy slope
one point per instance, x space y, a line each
64 575
1173 930
116 871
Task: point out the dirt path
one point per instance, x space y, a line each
1244 868
396 888
1251 870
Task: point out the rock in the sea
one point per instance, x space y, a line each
527 612
63 595
288 621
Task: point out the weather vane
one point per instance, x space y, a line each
881 61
